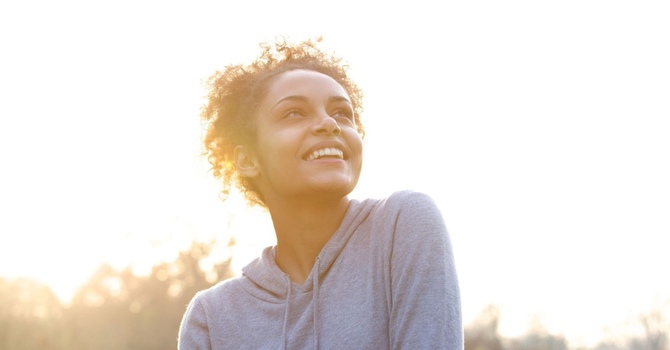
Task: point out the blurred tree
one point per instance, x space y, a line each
119 310
655 325
537 338
30 316
482 334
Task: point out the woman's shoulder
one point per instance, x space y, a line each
407 200
220 292
410 196
402 205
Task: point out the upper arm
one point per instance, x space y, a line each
194 331
426 306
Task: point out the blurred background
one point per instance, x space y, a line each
540 129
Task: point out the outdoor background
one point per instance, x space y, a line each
540 128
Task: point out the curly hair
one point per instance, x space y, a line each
234 96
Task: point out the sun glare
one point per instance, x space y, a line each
540 130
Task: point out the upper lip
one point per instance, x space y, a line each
327 144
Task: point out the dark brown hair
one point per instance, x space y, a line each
236 92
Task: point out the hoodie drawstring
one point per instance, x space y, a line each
288 301
315 307
315 303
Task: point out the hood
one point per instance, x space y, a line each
270 283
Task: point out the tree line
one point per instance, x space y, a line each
113 310
483 334
118 309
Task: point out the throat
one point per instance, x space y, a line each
297 265
302 234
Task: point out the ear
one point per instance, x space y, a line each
245 162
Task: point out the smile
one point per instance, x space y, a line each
329 152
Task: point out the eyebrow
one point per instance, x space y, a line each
303 98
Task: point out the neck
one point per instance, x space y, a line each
302 229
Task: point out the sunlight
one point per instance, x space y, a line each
540 130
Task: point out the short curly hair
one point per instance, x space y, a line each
234 96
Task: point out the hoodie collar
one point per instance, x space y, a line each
270 282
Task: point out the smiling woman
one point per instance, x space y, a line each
304 116
345 273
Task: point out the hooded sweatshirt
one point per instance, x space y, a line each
385 280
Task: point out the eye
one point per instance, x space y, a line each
294 113
343 113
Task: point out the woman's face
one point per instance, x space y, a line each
308 144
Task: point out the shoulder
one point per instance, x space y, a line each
207 311
218 295
406 212
415 215
408 203
408 198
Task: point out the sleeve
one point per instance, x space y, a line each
193 331
426 305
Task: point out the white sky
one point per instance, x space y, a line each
541 129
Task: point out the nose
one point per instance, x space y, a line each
327 125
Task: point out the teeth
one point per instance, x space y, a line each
330 152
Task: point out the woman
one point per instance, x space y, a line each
345 273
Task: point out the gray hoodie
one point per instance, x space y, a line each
385 280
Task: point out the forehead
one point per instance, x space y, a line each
301 82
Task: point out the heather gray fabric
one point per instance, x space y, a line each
385 280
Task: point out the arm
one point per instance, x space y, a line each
426 306
194 332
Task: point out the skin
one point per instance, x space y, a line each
303 111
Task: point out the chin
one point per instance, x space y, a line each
343 192
343 188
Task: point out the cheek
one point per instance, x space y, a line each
274 152
355 142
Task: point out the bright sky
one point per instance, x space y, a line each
540 128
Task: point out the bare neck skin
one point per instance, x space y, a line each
302 229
